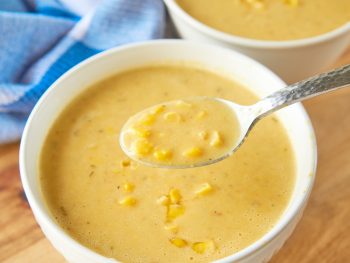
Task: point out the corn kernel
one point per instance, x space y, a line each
216 139
175 211
147 119
125 163
201 114
205 189
202 247
172 228
193 152
128 201
163 200
158 109
179 242
172 116
175 196
199 247
162 155
292 3
141 132
129 187
141 147
203 135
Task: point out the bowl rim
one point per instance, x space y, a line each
250 42
43 217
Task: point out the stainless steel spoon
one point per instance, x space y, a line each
248 116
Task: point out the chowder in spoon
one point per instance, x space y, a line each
181 133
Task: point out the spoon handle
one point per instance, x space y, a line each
305 89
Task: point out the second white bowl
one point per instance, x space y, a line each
292 60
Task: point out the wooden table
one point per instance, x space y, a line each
323 235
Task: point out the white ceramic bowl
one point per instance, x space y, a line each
239 67
292 60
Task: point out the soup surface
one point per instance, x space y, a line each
135 213
270 19
201 130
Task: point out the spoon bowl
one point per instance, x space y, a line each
183 133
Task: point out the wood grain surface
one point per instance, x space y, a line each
323 234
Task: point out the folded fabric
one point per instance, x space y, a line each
42 39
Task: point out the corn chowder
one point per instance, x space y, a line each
270 19
135 213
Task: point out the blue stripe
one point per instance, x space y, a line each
75 54
57 12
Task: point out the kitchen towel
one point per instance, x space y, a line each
42 39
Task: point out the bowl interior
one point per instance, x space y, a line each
238 67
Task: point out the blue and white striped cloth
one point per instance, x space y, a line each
41 39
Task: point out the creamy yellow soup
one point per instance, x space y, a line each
135 213
181 133
270 19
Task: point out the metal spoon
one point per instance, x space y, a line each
248 116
